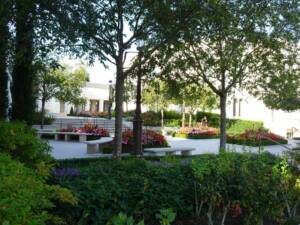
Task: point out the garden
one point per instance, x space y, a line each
229 188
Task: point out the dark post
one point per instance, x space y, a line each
109 100
137 120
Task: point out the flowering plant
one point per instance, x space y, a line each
197 132
89 129
149 139
256 138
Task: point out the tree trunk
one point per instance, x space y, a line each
43 113
119 112
190 120
23 95
223 99
162 118
4 36
183 115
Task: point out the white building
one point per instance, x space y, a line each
244 106
97 100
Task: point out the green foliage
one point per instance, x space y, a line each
38 117
25 198
248 186
21 143
135 187
240 180
123 219
238 126
213 119
166 216
234 126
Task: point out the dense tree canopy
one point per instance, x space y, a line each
229 44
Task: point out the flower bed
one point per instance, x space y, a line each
93 130
256 138
197 133
150 139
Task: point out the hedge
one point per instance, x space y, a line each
141 188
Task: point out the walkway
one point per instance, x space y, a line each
67 150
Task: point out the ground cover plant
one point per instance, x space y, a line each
230 188
256 138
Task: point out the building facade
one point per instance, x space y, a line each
97 100
244 106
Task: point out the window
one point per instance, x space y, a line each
62 107
234 106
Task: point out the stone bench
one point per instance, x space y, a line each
67 135
96 146
169 151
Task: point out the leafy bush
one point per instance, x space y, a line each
237 184
38 118
24 195
241 188
213 119
21 143
134 187
256 138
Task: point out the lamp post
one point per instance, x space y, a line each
109 99
137 120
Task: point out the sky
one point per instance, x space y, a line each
97 72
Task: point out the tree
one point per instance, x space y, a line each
228 46
55 81
155 96
279 88
191 96
106 29
5 12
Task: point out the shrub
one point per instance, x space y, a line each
150 139
151 118
237 184
21 143
134 187
24 195
245 188
256 138
213 119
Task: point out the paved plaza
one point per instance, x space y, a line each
68 150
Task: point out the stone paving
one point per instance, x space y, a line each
68 150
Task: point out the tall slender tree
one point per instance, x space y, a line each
5 12
23 96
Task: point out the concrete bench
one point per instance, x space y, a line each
96 146
169 151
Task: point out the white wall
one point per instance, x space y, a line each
253 109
